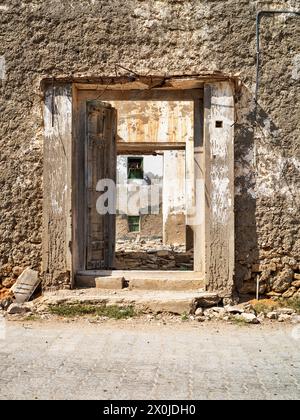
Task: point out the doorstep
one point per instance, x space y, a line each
147 301
141 279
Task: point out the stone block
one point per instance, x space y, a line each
25 285
165 283
109 282
249 318
17 308
208 299
289 293
296 284
283 281
163 253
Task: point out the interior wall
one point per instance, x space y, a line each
151 224
174 198
154 121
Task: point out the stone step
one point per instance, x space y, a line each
178 302
145 280
111 282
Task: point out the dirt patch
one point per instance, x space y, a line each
5 294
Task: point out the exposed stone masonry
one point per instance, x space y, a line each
54 38
140 254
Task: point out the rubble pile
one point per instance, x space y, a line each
152 255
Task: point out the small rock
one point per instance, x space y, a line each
17 271
230 301
296 283
17 308
8 282
272 315
6 302
297 294
273 294
249 318
216 312
290 292
162 253
283 280
208 300
234 309
210 313
256 268
199 312
6 269
284 317
297 277
286 311
261 317
217 309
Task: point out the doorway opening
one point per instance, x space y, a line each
149 144
152 234
88 123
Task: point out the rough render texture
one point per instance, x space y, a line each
151 227
159 37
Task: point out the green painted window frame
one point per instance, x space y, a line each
134 223
135 173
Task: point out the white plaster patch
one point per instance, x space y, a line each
221 200
56 207
270 179
249 156
244 166
268 130
221 110
267 125
2 67
219 137
62 114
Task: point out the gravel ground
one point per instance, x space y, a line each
135 359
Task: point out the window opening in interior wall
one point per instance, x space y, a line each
134 223
135 168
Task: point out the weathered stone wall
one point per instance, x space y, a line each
159 37
151 227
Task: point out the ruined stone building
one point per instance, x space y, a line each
192 104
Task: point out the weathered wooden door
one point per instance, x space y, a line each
100 165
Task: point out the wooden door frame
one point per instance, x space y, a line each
214 162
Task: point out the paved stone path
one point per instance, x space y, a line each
122 360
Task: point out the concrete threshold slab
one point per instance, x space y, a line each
141 279
177 302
